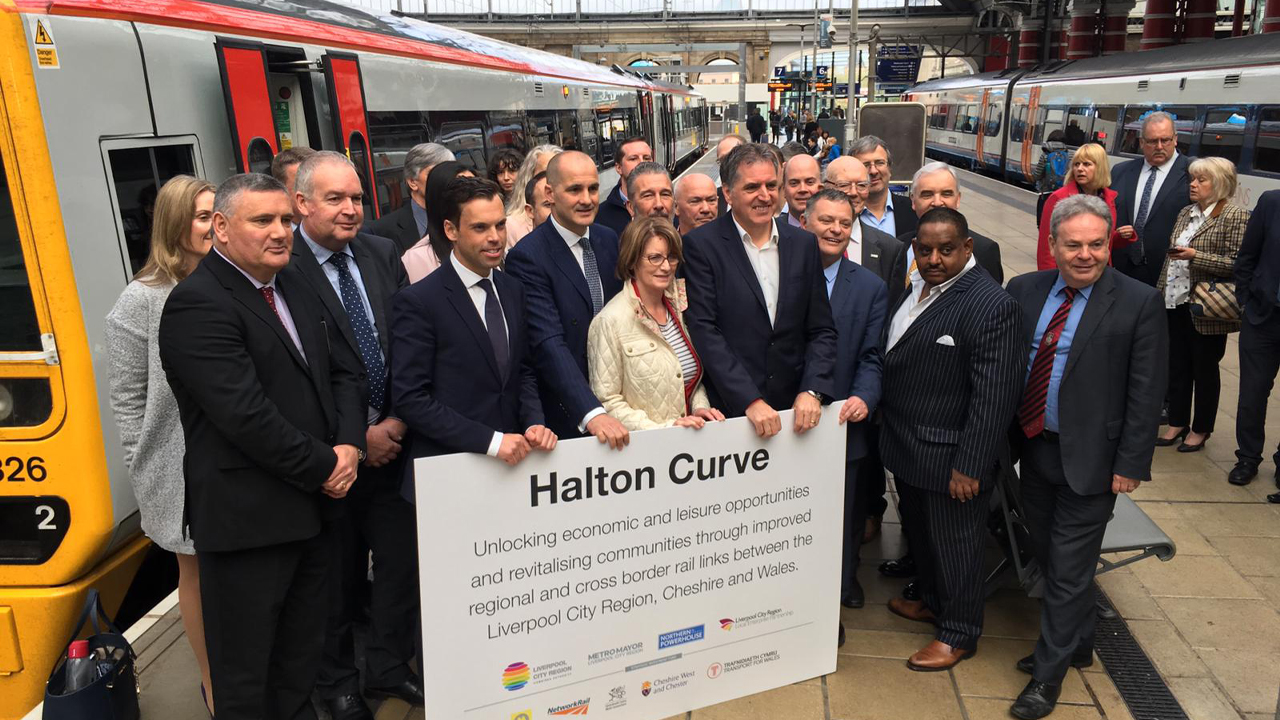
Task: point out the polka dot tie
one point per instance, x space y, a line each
366 337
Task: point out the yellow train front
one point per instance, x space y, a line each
100 104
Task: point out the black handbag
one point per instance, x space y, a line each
114 694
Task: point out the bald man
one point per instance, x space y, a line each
869 247
801 180
696 202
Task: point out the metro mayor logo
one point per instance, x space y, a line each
680 637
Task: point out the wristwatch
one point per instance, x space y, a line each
816 395
360 455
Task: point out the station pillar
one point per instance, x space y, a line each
1115 27
1198 24
1271 17
1028 47
1158 23
1082 37
998 53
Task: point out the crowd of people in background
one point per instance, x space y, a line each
282 358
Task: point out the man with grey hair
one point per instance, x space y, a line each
649 192
884 210
1149 195
273 420
408 224
355 275
1085 428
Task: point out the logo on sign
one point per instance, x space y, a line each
715 670
577 707
646 688
726 623
617 698
522 715
680 637
515 676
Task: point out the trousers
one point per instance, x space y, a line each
1259 363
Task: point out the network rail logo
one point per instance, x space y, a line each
516 676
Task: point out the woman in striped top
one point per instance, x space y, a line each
643 366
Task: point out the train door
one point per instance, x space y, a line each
350 119
669 130
644 100
980 138
254 135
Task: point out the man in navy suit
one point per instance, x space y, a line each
613 211
461 372
859 301
1149 195
567 266
758 309
1257 276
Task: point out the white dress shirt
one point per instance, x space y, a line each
919 301
575 246
1162 174
282 307
480 299
854 251
764 260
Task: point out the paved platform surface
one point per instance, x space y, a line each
1208 619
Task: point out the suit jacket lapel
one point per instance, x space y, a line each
460 299
315 347
564 259
1034 305
246 294
375 288
1176 173
935 307
1100 302
738 253
842 288
870 251
314 274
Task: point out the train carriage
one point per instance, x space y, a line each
100 104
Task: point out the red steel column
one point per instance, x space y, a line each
1059 40
1157 24
1271 17
1028 47
1115 28
998 52
1200 19
1083 35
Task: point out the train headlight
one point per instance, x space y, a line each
6 402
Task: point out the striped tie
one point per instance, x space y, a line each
1031 412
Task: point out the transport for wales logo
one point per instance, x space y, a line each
515 676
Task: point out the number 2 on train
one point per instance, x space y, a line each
14 468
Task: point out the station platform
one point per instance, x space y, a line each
1209 620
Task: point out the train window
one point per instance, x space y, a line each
1104 126
260 154
969 124
506 130
588 138
391 136
1079 125
1051 120
1266 157
138 170
1018 125
358 151
993 120
1185 119
567 129
19 329
463 133
542 128
1223 134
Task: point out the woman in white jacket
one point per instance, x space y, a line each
644 368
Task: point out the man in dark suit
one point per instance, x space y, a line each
886 211
1086 425
859 301
273 415
355 275
756 125
613 212
461 367
1149 195
567 266
408 224
953 371
1257 276
758 309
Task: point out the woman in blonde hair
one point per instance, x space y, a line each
1090 175
1206 238
519 223
144 406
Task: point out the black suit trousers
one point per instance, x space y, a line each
373 517
947 539
1259 362
855 520
871 476
1066 536
264 609
1193 371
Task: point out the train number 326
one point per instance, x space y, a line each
16 469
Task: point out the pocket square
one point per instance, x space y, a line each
946 340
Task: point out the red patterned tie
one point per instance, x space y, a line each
1031 412
269 294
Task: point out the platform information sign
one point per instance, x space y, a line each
691 568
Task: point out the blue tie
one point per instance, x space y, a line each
1139 252
593 275
496 326
366 337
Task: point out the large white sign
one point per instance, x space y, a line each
691 568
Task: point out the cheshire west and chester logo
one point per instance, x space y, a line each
646 688
515 676
726 623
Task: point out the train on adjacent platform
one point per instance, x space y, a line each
100 104
1224 96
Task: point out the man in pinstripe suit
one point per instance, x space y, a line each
1086 426
953 372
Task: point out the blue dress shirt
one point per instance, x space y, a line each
419 218
885 224
1051 305
829 272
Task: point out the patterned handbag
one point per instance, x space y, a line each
1215 299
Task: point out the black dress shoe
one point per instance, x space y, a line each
903 567
1243 473
1036 701
840 639
1078 660
1189 448
1274 498
1166 442
409 691
855 598
348 707
911 591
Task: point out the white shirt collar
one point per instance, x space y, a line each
917 282
746 236
1168 164
569 237
256 285
469 279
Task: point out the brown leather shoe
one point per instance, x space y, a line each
872 530
936 656
912 610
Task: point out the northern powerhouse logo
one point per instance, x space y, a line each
515 676
680 637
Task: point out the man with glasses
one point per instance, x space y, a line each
885 211
1150 194
869 247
